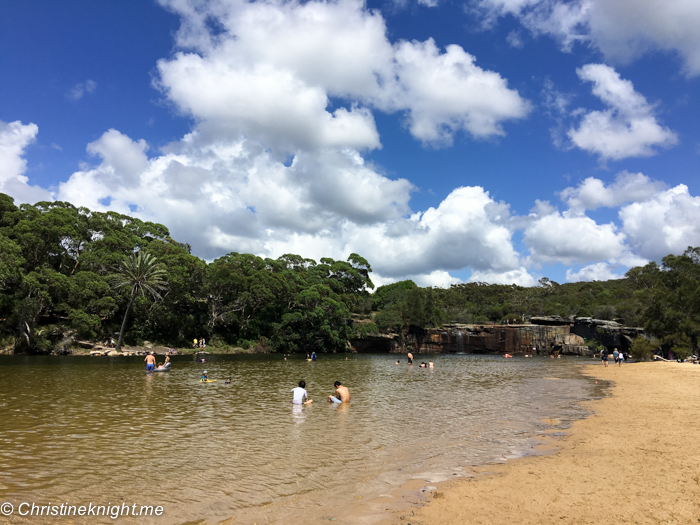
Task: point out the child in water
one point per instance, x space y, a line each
228 381
205 377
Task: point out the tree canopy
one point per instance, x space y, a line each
59 263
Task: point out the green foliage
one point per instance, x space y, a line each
606 312
144 276
363 329
388 320
680 351
642 350
58 262
670 295
594 345
389 295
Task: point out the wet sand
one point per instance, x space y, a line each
635 460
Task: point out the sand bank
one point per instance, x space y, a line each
635 460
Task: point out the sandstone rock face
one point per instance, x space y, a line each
610 333
555 336
478 339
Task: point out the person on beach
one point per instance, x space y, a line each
299 394
410 358
620 359
604 357
342 394
150 362
615 355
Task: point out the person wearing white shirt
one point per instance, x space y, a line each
300 393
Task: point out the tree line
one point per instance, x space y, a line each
65 276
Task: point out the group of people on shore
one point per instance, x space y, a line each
301 397
199 343
619 357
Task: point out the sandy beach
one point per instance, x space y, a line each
635 460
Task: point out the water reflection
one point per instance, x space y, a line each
82 429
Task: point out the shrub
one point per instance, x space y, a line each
606 312
364 329
680 351
642 350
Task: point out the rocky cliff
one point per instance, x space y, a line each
544 336
484 339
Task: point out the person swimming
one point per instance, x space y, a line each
228 381
205 377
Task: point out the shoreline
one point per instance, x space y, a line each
399 503
633 460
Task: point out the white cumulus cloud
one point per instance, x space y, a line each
572 239
593 193
519 276
14 139
622 30
276 69
601 271
667 223
627 128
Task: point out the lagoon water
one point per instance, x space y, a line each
85 430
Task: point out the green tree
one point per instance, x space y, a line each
145 276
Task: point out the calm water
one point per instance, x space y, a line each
101 430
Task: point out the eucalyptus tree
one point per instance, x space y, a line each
144 275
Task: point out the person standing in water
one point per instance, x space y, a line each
150 362
342 394
299 394
313 356
410 358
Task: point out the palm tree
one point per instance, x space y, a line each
144 275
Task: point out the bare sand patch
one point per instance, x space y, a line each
635 460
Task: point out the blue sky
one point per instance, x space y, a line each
490 140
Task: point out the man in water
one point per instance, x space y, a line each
410 358
150 362
313 356
299 393
342 394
